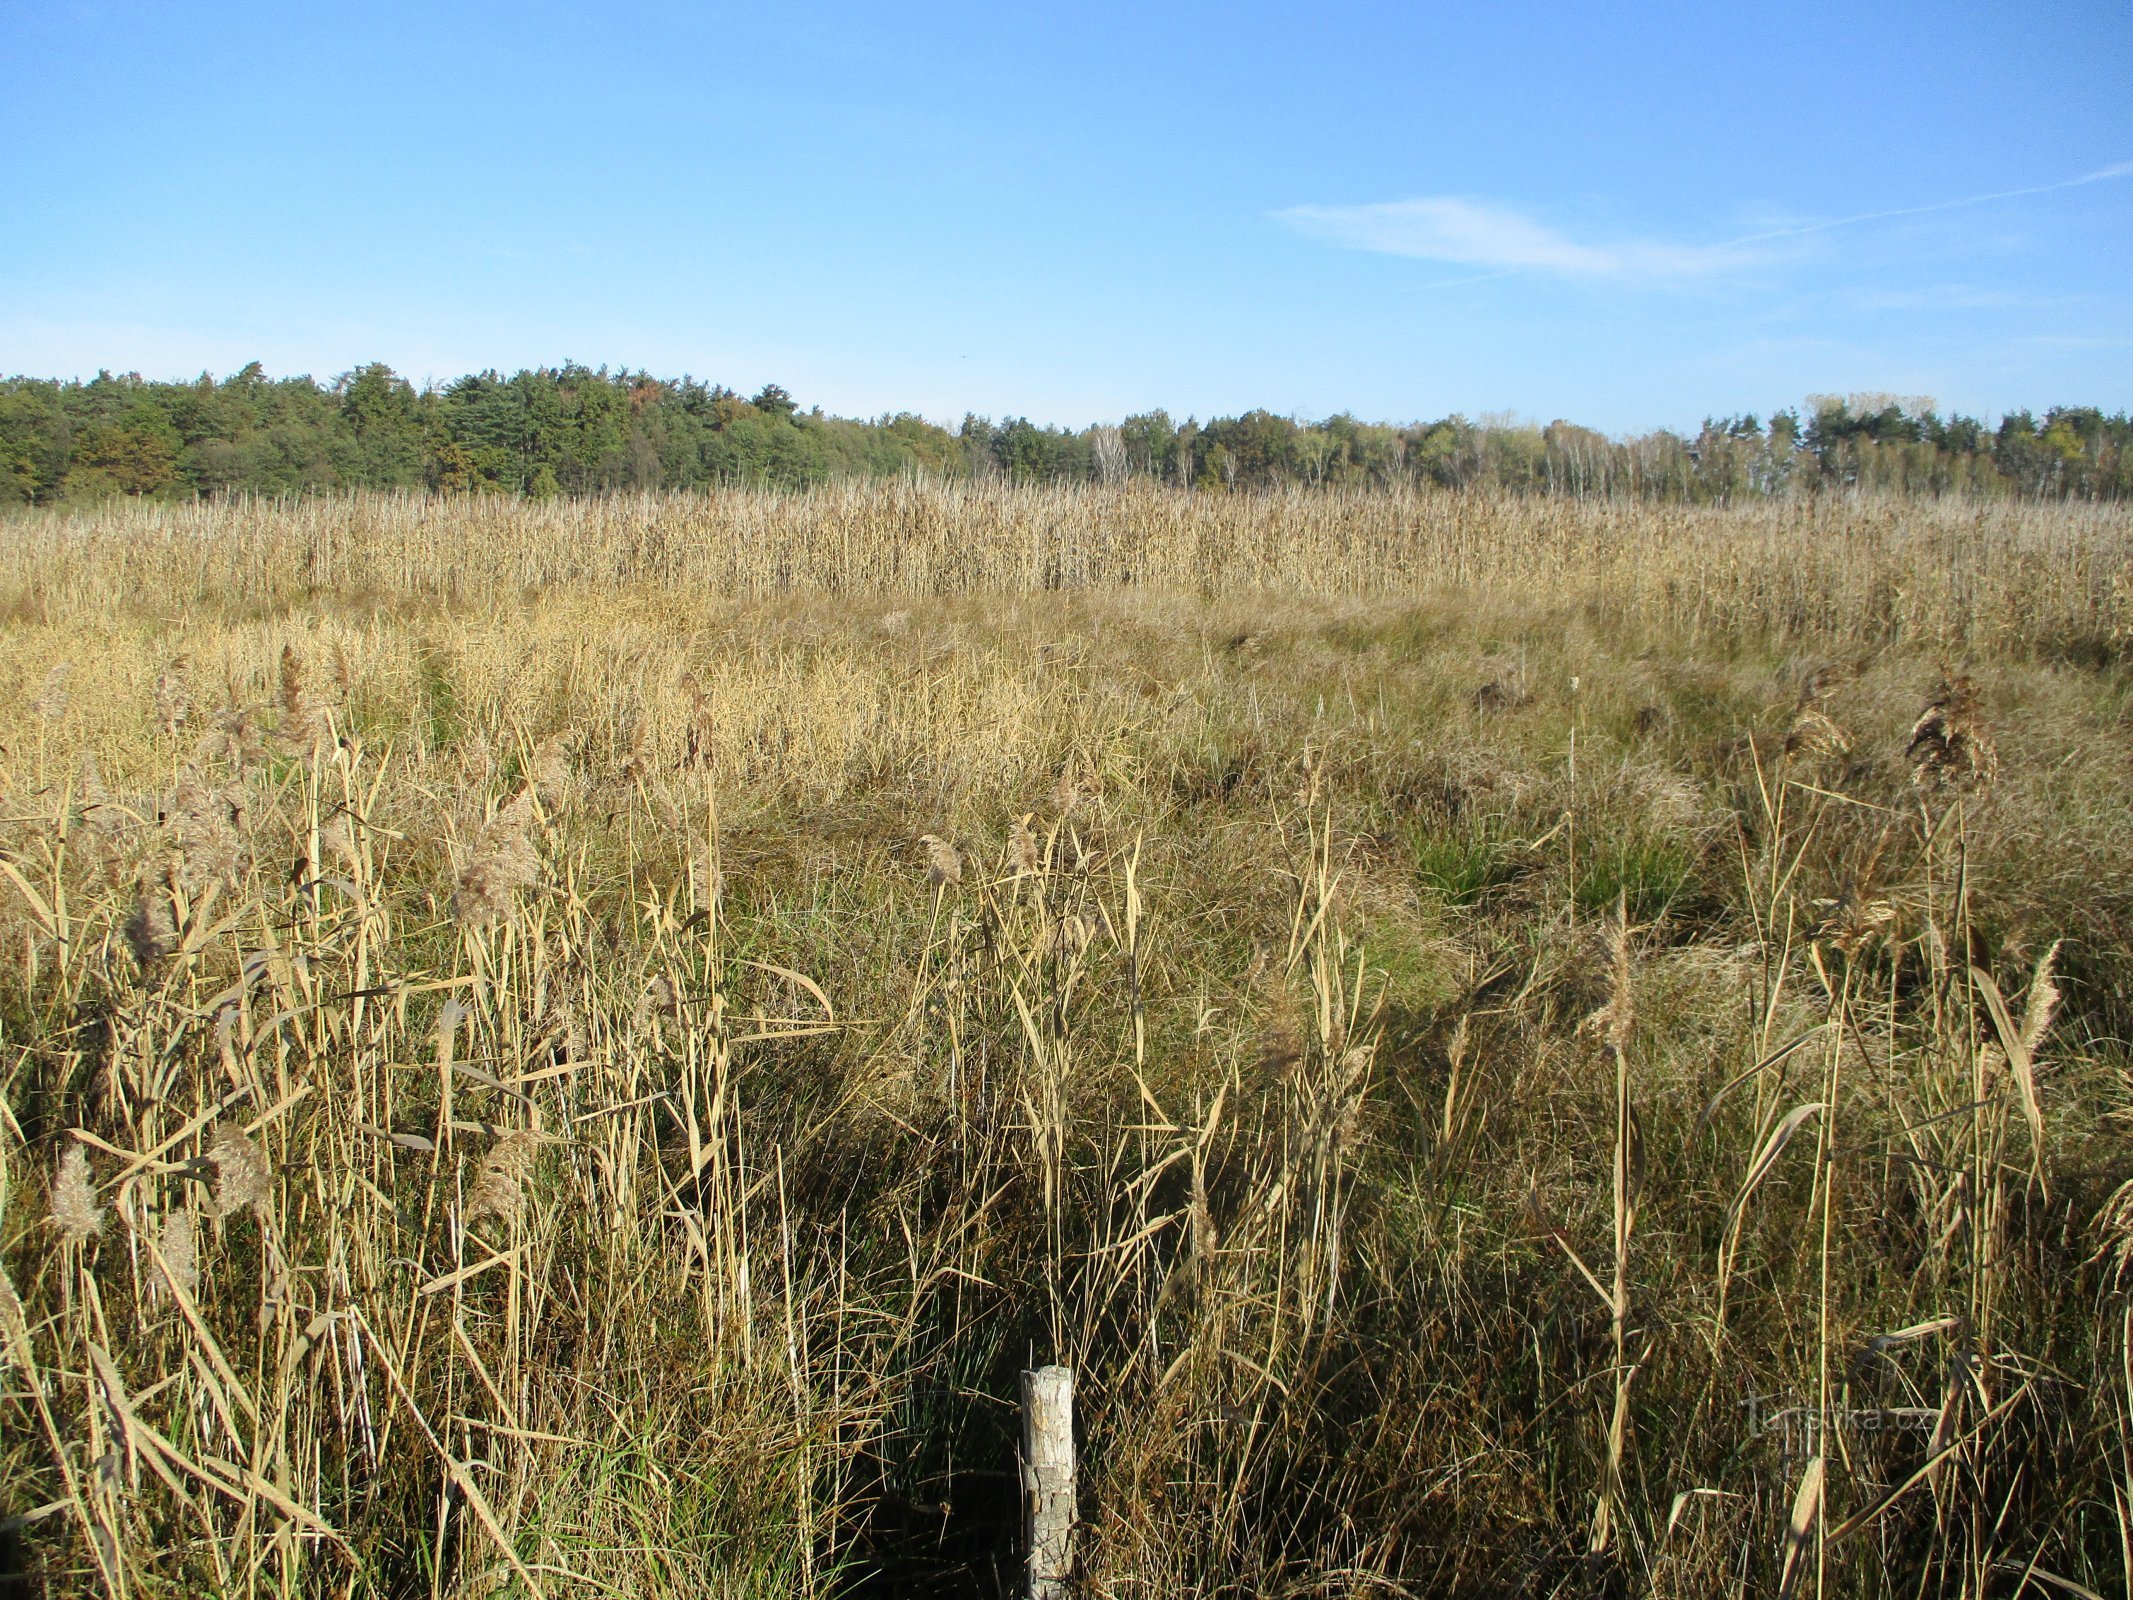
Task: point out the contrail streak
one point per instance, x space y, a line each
2119 169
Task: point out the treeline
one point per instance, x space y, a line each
573 430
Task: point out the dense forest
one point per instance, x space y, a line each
573 430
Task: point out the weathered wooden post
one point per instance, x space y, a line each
1048 1480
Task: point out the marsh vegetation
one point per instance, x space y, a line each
1515 1045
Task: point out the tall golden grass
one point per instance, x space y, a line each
1516 1046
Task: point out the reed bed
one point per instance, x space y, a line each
1946 570
1515 1046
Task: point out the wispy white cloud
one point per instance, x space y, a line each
1477 234
1470 233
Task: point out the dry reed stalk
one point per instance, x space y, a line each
1615 1022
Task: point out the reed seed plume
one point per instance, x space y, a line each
499 1188
707 880
444 1032
202 826
1852 920
72 1207
561 1027
337 839
1202 1239
1279 1046
1022 847
14 1327
99 812
549 772
502 863
178 1243
1071 935
700 735
305 720
660 998
239 739
1949 745
2041 1005
1616 1020
944 863
244 1179
1311 768
1813 736
53 699
152 930
173 696
2114 1238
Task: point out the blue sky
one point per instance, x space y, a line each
1629 215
